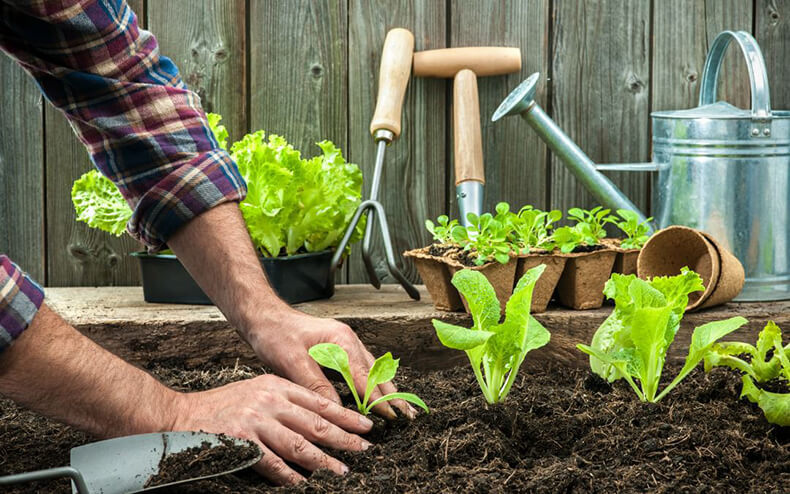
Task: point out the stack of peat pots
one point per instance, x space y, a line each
576 279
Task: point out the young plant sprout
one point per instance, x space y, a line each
486 236
632 342
591 223
442 230
496 350
636 232
760 368
568 238
532 229
333 357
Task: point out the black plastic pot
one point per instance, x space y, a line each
298 278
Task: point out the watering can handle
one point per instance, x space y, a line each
758 77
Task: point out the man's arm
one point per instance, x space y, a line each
54 370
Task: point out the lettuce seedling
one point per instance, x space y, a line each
532 229
486 236
442 230
591 223
495 350
760 368
632 342
568 238
636 232
333 357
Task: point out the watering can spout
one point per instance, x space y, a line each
521 101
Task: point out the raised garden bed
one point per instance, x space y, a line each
560 430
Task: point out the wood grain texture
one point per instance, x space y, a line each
209 46
385 320
21 170
773 33
600 81
680 45
413 181
513 155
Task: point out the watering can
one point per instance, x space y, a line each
719 169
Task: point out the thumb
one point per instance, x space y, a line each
312 378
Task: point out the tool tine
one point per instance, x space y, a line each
366 257
391 264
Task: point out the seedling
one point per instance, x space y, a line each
442 231
568 238
486 236
333 357
532 229
636 232
496 350
591 223
632 342
760 368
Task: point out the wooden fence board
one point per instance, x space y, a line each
773 33
514 156
680 45
413 181
600 83
21 170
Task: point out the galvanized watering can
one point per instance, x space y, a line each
720 169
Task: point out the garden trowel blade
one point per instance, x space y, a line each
123 465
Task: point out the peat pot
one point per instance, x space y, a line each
297 278
720 169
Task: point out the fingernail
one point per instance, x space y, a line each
365 422
366 445
343 468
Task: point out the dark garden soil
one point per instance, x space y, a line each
587 248
560 430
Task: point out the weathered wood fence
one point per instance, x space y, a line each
307 69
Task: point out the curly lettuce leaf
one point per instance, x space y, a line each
98 203
775 406
220 132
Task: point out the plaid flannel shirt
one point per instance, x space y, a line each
142 127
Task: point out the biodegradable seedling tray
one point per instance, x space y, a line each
436 276
547 283
583 279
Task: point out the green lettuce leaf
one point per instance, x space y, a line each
220 132
775 406
98 203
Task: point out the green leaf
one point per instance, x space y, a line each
219 131
648 330
98 203
333 356
775 406
480 296
459 338
410 397
383 370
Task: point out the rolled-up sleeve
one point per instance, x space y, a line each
143 128
20 299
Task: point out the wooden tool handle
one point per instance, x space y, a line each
467 138
483 60
393 78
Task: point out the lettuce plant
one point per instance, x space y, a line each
636 232
442 230
568 238
767 360
591 223
333 357
495 349
632 342
532 228
486 235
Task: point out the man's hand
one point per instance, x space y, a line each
282 344
217 251
282 418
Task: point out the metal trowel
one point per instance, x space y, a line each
124 465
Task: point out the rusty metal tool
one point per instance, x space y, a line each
394 72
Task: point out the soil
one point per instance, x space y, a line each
440 250
587 248
560 430
203 461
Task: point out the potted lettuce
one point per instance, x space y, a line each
296 211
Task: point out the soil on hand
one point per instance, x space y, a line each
560 430
203 461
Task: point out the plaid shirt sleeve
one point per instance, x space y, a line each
20 299
142 127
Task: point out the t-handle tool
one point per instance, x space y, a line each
396 59
465 65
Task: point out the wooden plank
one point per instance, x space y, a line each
21 170
680 45
413 181
773 33
76 254
208 44
514 156
298 77
599 94
385 320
